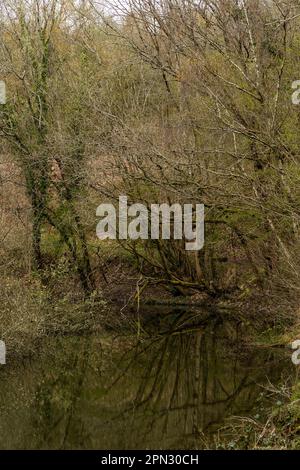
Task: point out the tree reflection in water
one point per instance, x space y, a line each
172 387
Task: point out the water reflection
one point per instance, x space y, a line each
171 387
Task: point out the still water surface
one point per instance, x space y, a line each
173 382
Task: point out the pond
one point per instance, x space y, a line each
174 380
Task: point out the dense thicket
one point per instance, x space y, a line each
164 101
